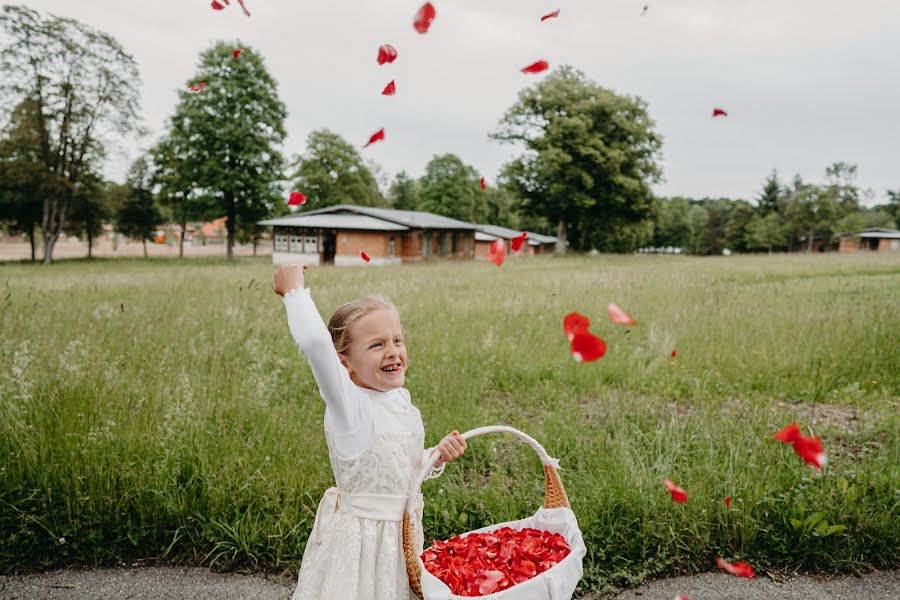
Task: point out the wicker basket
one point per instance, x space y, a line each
554 497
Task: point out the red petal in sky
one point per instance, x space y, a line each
217 5
727 501
378 135
619 316
243 8
738 569
719 112
386 54
541 65
424 18
678 494
789 434
296 199
587 347
552 15
516 242
390 89
364 256
810 450
498 252
573 323
237 52
482 183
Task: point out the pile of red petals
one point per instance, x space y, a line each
807 448
484 563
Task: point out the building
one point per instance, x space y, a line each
338 234
534 243
873 239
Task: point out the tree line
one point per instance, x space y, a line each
588 158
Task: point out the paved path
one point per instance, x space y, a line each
171 583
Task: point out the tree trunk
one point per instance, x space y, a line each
809 247
30 230
229 224
144 241
181 241
254 247
560 238
90 237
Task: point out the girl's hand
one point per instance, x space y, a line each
452 446
287 278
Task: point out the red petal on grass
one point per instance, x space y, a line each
719 112
196 88
587 347
377 136
296 199
738 569
551 15
217 5
727 501
674 353
573 323
386 54
390 89
364 256
517 242
482 183
789 434
541 65
424 18
619 316
244 8
678 494
498 252
810 450
237 53
682 598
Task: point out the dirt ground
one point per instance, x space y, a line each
10 250
171 583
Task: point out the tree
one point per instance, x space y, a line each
672 225
893 205
229 133
698 217
590 155
502 209
451 188
404 193
736 232
140 214
766 232
83 85
842 187
331 171
811 213
770 199
712 239
93 203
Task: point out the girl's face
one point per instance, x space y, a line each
376 358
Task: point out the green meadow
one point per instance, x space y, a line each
157 411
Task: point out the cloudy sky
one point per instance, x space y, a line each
806 82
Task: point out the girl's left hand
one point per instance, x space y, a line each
452 446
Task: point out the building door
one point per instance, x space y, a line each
328 246
426 244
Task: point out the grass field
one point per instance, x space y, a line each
158 410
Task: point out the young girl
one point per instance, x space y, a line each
375 441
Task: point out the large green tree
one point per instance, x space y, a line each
770 199
94 203
736 233
140 214
590 154
83 85
671 223
811 213
404 193
842 187
331 171
451 188
229 134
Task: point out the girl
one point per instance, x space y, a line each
375 441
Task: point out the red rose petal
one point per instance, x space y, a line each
727 501
377 136
216 5
680 597
788 434
619 316
573 323
386 54
738 569
424 18
537 67
237 53
197 88
516 242
678 494
390 89
810 450
587 347
551 15
498 252
244 8
482 183
365 256
719 112
296 199
673 353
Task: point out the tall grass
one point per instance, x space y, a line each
157 410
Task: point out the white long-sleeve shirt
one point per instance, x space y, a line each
352 414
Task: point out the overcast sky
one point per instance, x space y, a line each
805 82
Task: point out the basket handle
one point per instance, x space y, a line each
554 494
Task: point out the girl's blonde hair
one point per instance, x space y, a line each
344 317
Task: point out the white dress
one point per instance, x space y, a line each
375 445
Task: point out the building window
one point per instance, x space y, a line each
454 245
443 243
426 244
468 245
310 247
295 243
391 248
281 242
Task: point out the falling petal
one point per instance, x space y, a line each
719 112
390 89
727 501
296 199
678 494
674 352
364 256
498 252
738 569
788 434
810 450
682 598
619 316
377 136
537 67
217 5
551 15
587 347
424 18
573 323
482 183
244 8
516 242
386 54
237 53
197 88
